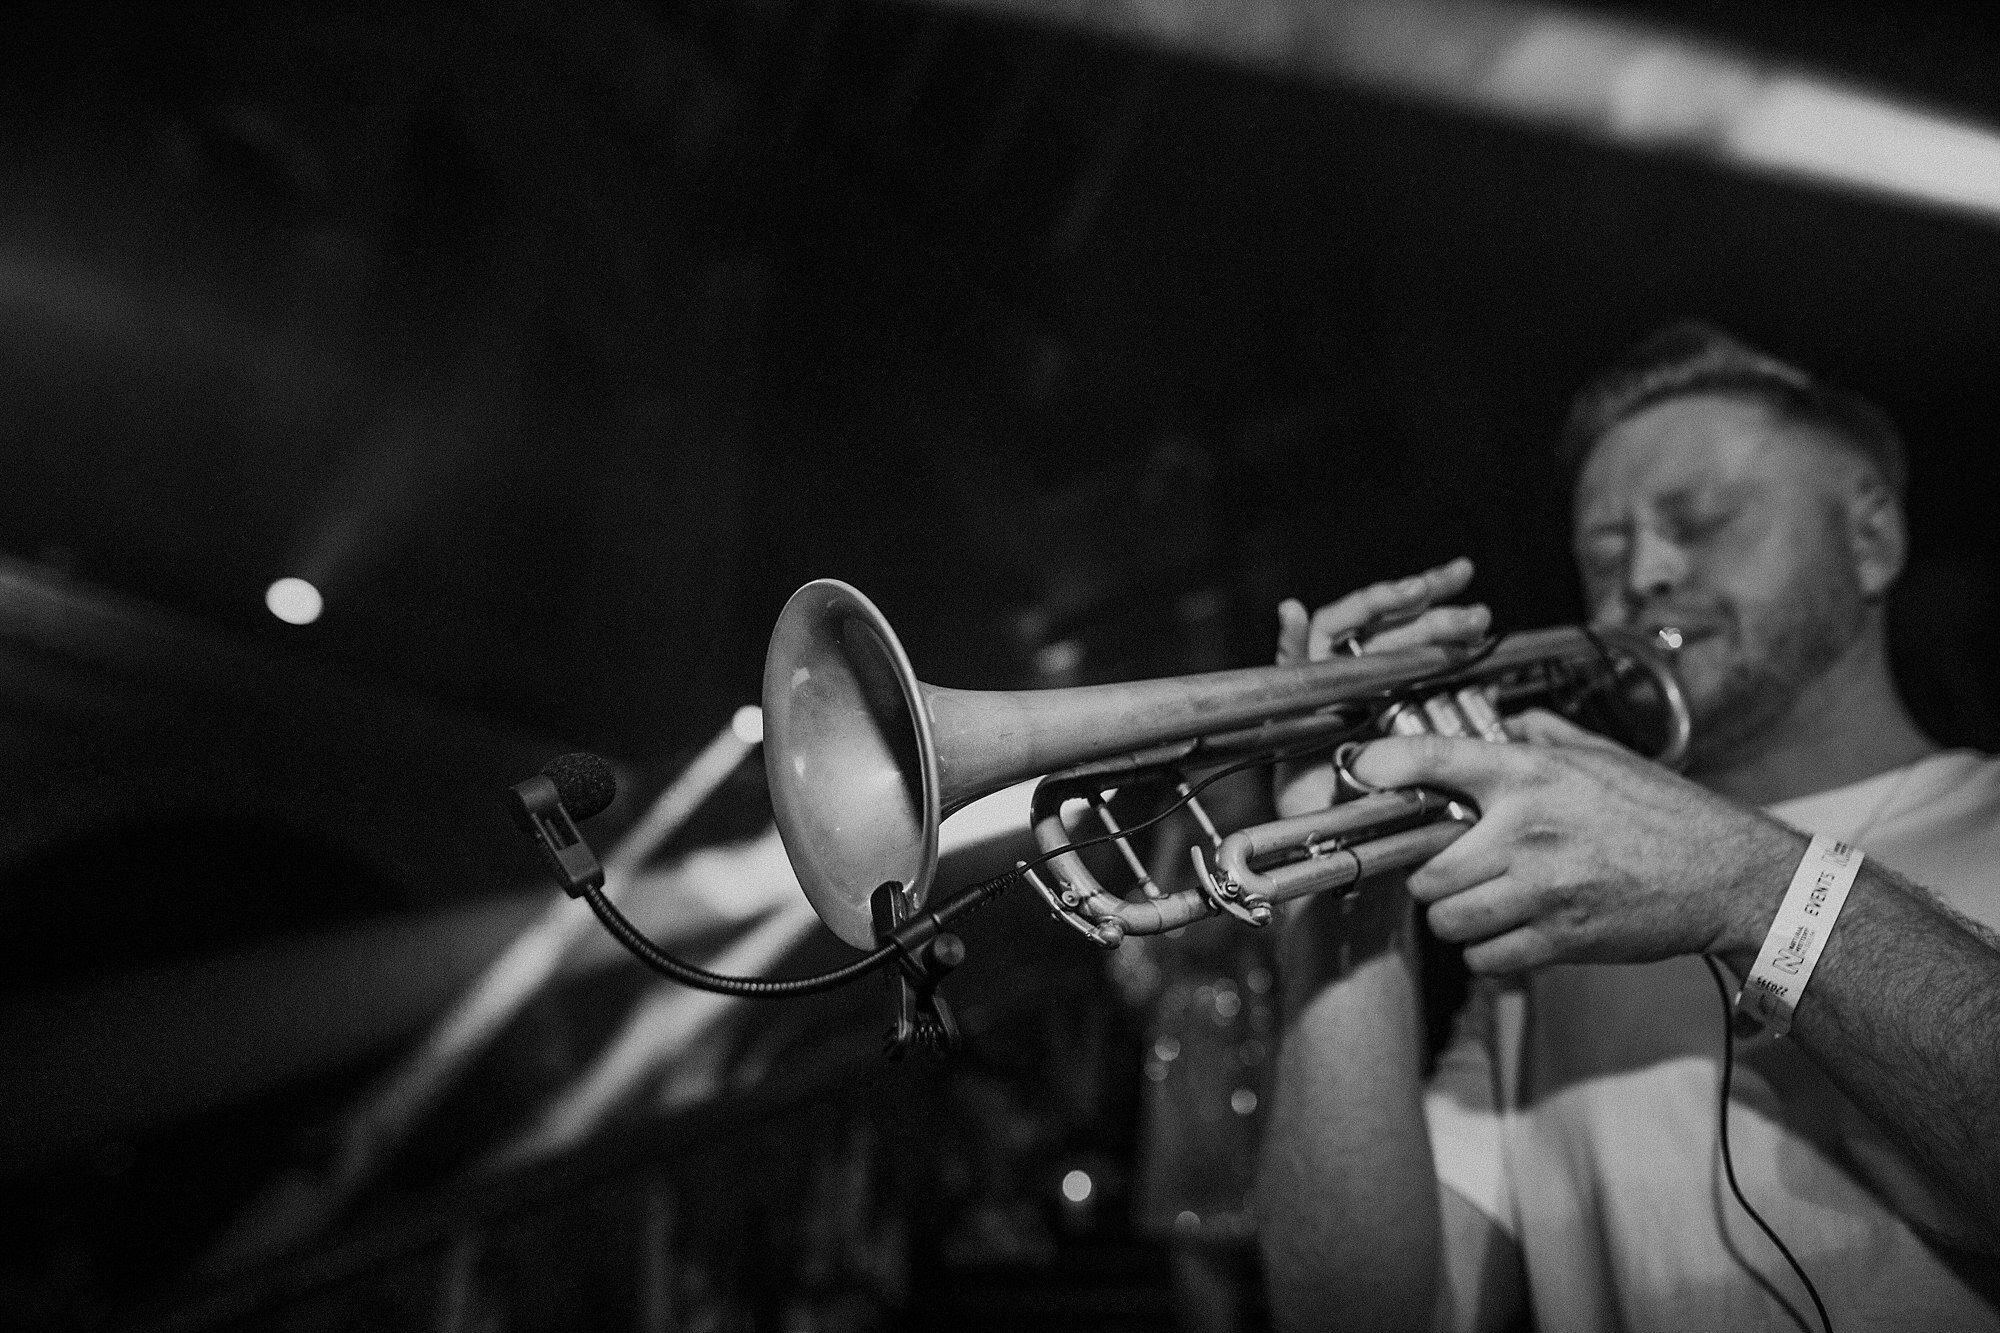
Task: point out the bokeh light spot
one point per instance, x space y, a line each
294 601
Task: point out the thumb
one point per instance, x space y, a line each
1292 622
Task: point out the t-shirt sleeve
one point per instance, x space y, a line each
1462 1110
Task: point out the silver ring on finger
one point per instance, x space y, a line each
1346 785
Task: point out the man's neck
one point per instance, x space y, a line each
1847 725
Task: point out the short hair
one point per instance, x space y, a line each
1693 357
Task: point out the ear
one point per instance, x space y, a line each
1876 540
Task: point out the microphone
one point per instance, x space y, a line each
585 783
547 806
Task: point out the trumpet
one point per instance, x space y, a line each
865 761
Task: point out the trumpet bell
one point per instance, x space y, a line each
849 755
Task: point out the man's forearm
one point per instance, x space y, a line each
1347 1189
1903 1014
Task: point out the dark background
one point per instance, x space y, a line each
559 346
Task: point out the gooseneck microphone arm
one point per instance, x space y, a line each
578 786
751 988
920 947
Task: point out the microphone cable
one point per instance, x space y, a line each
1722 1133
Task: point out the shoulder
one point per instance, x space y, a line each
1950 787
1944 831
1973 770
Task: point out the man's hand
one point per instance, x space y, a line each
1398 613
1586 853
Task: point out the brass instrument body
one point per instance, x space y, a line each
1373 833
865 760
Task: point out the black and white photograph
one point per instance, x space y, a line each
1075 666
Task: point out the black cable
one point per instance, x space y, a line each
1722 1124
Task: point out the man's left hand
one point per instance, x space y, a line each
1586 853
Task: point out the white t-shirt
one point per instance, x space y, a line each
1578 1112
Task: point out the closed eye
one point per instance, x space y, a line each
1701 525
1601 552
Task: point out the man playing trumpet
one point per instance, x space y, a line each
1563 1158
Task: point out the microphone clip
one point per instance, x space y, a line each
925 955
539 811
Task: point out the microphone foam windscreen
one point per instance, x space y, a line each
584 783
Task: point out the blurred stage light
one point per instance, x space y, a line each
1077 1186
1655 89
1818 129
294 601
1650 86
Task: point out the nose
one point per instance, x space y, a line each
1655 567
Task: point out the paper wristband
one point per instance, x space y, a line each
1798 934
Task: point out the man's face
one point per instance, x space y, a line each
1705 515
